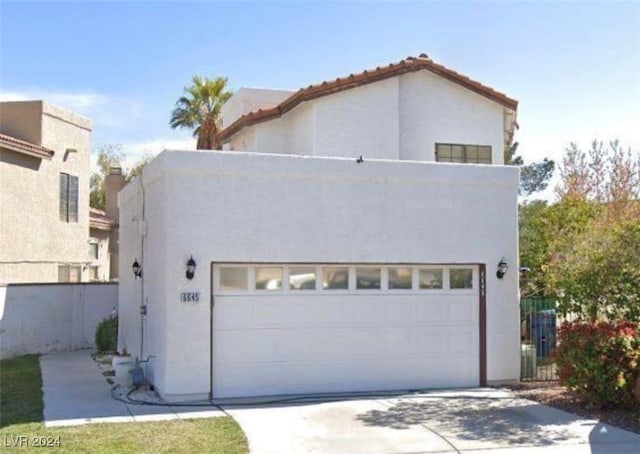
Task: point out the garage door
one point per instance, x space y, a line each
315 328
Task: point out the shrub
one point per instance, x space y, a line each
107 335
600 360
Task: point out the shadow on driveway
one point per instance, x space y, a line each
496 421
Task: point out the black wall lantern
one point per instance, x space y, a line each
137 269
191 268
502 269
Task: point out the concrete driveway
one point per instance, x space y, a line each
475 421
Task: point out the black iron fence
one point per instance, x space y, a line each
538 328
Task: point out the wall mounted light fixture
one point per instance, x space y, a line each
137 269
502 269
191 268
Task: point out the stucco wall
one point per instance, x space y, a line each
397 118
33 240
101 238
45 318
246 100
252 207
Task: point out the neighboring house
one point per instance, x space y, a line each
100 228
44 170
334 253
114 181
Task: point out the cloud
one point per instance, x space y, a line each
118 112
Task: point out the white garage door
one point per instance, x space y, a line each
288 329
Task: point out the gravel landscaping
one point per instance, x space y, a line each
553 394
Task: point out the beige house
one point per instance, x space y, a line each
100 228
44 217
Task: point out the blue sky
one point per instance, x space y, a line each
574 66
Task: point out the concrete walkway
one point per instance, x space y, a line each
470 421
76 392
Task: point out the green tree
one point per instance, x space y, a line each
585 248
534 177
111 155
200 110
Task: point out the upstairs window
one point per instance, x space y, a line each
69 273
68 198
474 154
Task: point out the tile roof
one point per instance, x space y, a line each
25 147
409 64
99 220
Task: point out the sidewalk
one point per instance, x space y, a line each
76 392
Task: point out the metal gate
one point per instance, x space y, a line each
538 328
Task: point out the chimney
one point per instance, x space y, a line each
113 183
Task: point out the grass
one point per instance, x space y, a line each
21 415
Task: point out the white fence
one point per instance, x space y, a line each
41 318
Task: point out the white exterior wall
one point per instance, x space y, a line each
397 118
434 110
44 318
249 207
246 100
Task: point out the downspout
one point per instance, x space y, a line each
143 307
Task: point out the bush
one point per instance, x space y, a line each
107 335
600 360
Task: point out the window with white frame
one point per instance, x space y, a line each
268 278
341 278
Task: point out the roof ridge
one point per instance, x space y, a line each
406 65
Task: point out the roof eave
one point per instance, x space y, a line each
27 151
364 78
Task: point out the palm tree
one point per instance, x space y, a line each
200 110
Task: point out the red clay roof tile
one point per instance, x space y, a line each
409 64
22 146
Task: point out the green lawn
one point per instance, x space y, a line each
21 415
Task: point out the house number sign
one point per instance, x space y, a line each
189 297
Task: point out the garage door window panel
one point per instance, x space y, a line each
461 278
431 278
368 278
400 278
268 278
335 278
234 279
302 278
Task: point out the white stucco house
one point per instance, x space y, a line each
348 239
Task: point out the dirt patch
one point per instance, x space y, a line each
557 396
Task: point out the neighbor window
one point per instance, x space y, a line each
68 198
368 278
302 278
400 278
68 273
460 278
93 250
476 154
93 273
335 277
234 278
268 278
430 278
